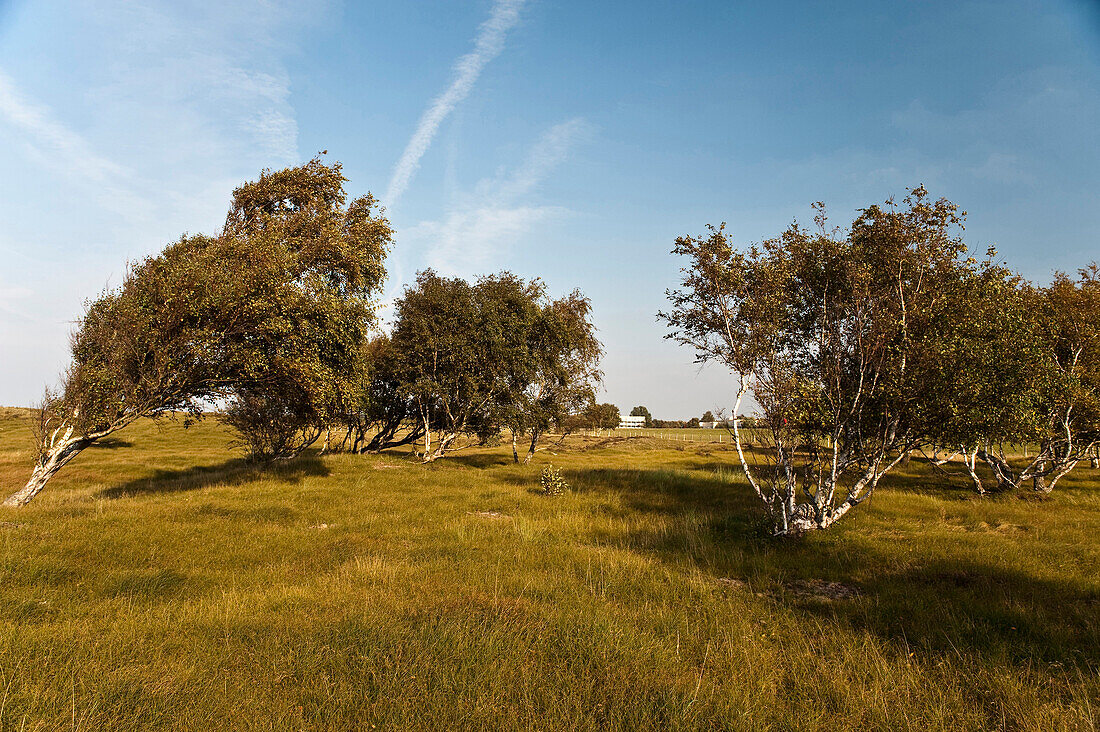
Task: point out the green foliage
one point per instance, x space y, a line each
1021 367
562 368
275 307
272 425
375 405
474 358
552 481
836 337
322 262
602 416
642 412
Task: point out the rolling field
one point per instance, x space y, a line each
159 582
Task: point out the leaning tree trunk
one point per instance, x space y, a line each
970 459
533 447
1007 478
444 442
53 458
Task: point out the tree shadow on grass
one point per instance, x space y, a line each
947 607
664 490
476 459
110 443
956 604
233 472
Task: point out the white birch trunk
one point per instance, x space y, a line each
532 448
56 456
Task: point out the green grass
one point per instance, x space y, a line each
161 583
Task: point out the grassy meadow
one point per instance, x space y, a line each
160 582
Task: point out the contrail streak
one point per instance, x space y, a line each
490 42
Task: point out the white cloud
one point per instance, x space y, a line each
131 125
550 150
471 240
38 123
53 144
275 132
1001 168
9 299
489 44
481 226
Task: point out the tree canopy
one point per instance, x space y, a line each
835 336
642 412
497 353
602 416
273 307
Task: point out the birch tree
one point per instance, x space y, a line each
987 371
831 333
602 417
1062 388
282 295
460 346
375 407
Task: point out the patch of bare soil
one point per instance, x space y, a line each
985 528
817 589
488 514
734 584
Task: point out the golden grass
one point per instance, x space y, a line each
161 583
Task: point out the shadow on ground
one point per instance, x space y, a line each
476 459
920 602
237 471
969 607
110 443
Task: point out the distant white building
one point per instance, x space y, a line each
716 425
629 422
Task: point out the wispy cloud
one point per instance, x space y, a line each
37 122
276 133
490 42
481 225
131 124
10 295
57 146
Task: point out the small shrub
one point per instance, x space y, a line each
272 425
553 484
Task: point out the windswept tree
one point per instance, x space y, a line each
834 335
374 406
986 371
276 304
1022 368
561 371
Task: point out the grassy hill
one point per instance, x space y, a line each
159 582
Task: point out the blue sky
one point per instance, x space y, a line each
555 138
